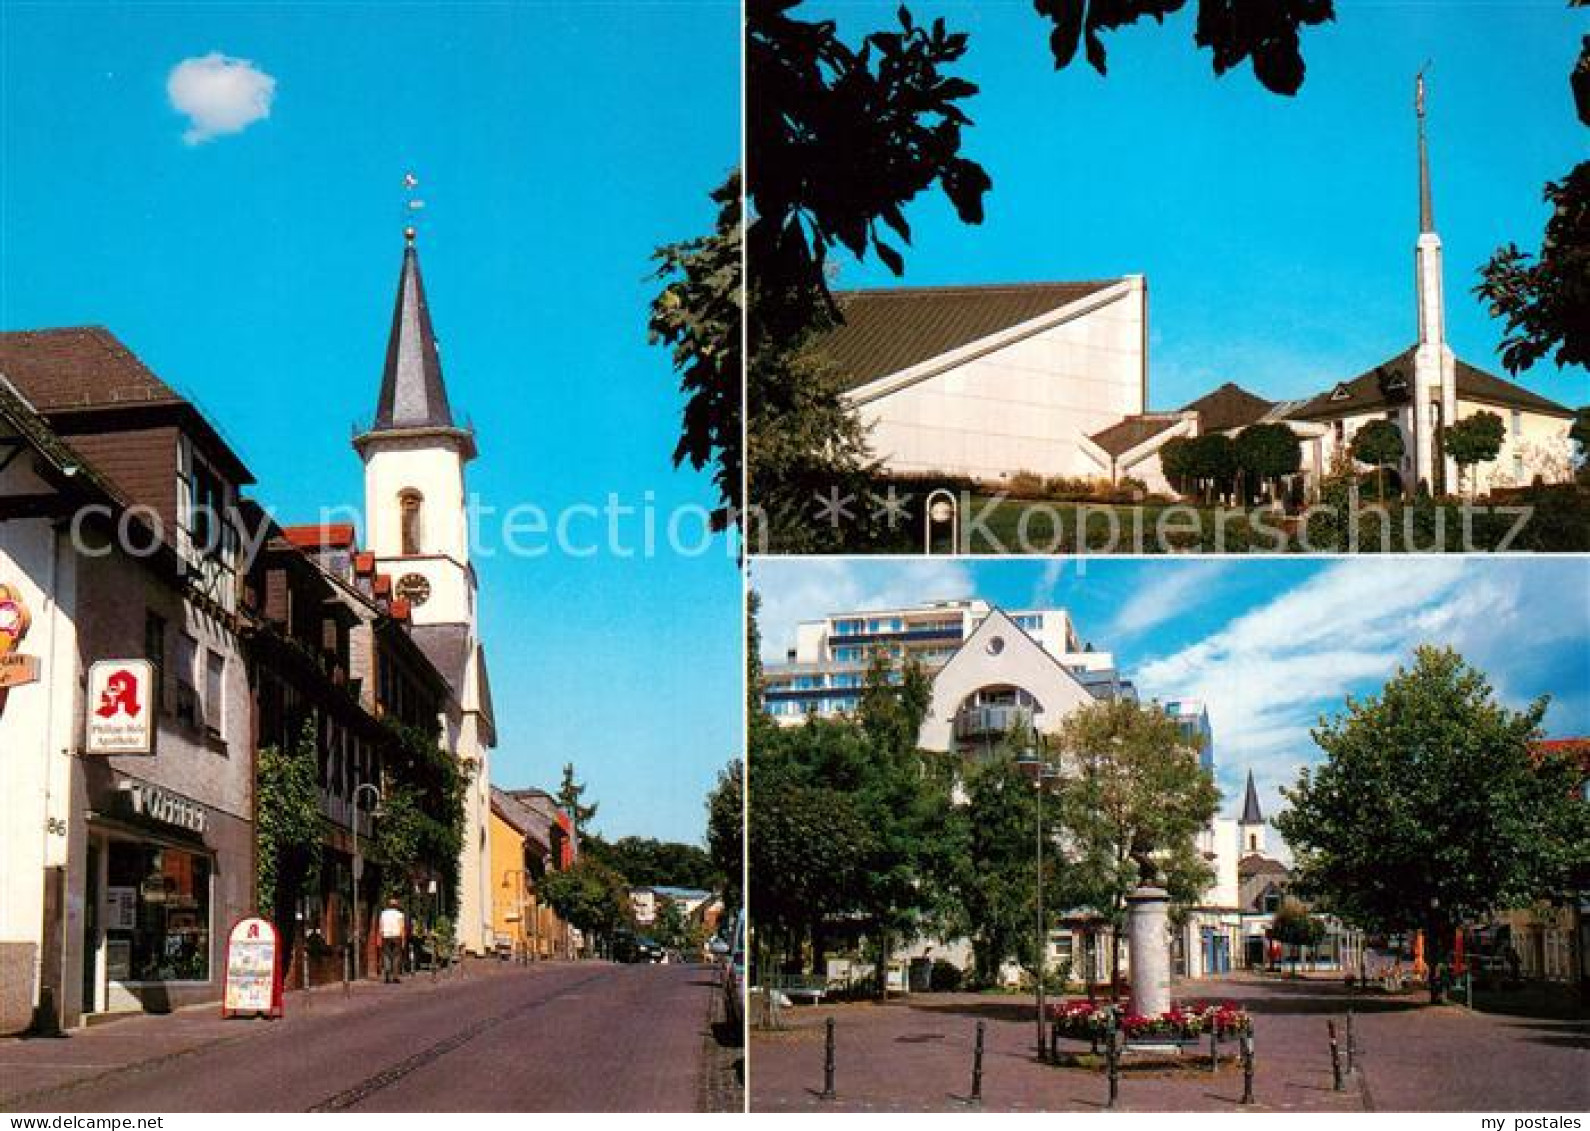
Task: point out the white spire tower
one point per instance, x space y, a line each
1434 366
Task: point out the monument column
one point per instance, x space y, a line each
1147 915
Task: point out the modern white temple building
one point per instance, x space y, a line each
1052 379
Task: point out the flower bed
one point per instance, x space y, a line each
1088 1021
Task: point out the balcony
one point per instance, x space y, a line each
991 719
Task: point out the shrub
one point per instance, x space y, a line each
946 977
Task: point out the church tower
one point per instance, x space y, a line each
1250 829
1434 366
417 526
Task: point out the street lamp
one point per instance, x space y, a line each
1032 761
358 868
941 509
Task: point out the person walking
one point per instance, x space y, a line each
394 928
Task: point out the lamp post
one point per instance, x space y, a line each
941 509
1031 760
358 868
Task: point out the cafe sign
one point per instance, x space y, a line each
15 668
120 715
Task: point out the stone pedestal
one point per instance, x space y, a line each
1146 918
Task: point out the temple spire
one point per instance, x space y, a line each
1426 210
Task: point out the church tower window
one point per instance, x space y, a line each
410 507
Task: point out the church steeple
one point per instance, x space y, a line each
1434 367
413 394
1251 814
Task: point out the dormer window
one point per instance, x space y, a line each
410 507
1339 393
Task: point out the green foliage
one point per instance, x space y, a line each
1378 443
1429 809
1137 803
1266 34
421 822
1294 926
589 895
645 862
569 794
289 828
1473 439
1212 462
847 818
1266 452
1177 461
726 830
698 315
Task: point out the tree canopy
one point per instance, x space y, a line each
1378 444
1432 807
1473 439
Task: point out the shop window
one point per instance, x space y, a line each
158 922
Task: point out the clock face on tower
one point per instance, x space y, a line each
414 589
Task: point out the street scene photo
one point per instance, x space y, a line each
346 563
1210 835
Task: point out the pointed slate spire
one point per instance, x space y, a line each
1250 806
412 392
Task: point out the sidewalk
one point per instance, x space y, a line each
916 1055
141 1042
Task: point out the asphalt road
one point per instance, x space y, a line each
564 1037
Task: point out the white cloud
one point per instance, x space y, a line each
1269 674
219 94
799 589
1175 586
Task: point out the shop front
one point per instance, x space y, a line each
162 881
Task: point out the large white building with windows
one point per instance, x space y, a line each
992 671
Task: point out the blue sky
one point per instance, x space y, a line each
556 144
1269 644
1276 233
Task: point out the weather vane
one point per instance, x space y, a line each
412 205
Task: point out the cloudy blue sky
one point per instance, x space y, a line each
220 185
1269 644
1276 233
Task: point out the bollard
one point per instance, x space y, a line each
347 963
1214 1050
1112 1067
828 1063
977 1066
1336 1058
1054 1040
1247 1071
1352 1045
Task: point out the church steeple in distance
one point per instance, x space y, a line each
1434 366
1250 826
1426 209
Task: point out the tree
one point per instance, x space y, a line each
1177 462
1378 443
1579 433
1266 452
1212 461
726 830
647 862
698 315
1293 926
289 828
569 794
1546 299
1430 810
993 880
1138 800
1472 440
589 895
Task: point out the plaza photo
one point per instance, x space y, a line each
1226 283
345 763
1170 835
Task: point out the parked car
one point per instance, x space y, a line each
649 949
733 983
